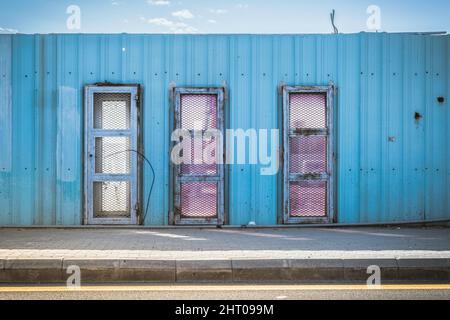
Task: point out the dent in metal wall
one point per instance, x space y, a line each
391 166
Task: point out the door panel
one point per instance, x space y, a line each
308 154
111 163
199 184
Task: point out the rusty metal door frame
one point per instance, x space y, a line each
329 176
178 178
90 175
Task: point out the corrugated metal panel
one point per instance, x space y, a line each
5 130
383 79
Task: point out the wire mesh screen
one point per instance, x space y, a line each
112 155
202 157
308 199
308 111
198 111
308 154
199 200
112 111
112 199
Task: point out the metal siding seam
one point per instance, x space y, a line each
407 170
356 132
254 89
340 117
15 115
348 115
396 149
145 115
5 128
231 120
375 125
447 107
428 144
59 188
149 136
54 133
421 153
438 130
157 135
24 187
49 131
167 131
78 212
38 106
363 217
384 156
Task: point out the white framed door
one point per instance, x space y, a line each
111 158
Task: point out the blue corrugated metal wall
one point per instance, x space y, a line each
383 79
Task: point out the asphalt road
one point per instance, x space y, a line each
229 292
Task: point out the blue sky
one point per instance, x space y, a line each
221 16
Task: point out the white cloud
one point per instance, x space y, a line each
183 14
218 11
8 30
158 2
175 27
212 21
242 6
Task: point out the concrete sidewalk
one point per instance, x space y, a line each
229 255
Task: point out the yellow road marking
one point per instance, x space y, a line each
224 288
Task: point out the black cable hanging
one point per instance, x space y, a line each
153 173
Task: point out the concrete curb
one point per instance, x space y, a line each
225 271
32 270
204 271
